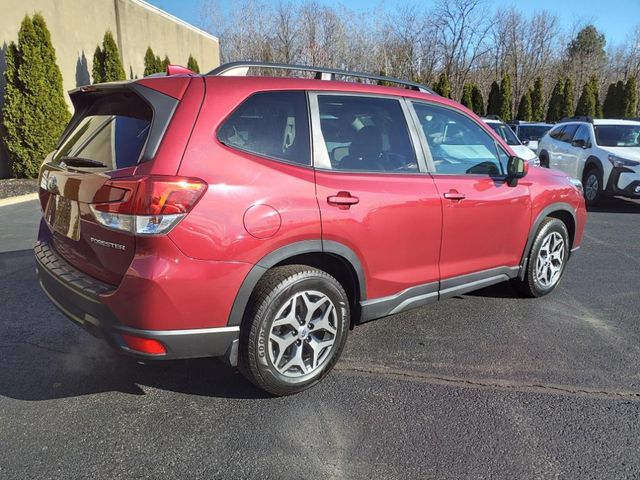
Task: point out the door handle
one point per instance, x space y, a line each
342 200
454 195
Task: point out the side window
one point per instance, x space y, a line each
567 133
366 134
458 145
583 134
271 124
556 133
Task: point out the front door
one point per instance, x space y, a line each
485 221
374 194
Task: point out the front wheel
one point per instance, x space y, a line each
593 187
294 329
547 259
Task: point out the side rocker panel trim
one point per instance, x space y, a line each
283 253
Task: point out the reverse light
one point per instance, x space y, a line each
151 205
622 162
144 345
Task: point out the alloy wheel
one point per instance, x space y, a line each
550 260
303 333
591 187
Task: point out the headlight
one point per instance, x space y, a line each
622 162
577 183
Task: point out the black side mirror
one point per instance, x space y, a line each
525 142
579 142
516 169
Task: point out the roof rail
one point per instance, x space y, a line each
493 117
576 118
321 73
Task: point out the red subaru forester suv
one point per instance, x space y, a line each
260 218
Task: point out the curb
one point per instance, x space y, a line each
18 199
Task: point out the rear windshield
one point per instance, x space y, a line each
532 132
113 132
618 135
505 133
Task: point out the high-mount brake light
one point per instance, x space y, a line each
151 205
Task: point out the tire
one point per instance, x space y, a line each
592 186
534 283
278 352
544 159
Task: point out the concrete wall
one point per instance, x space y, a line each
78 26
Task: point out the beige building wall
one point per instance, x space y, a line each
78 26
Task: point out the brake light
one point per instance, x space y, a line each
150 205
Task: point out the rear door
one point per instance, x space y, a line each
116 129
485 221
373 192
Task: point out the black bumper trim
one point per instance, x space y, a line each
77 296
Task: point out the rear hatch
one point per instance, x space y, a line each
114 134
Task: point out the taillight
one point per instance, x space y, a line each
150 205
145 345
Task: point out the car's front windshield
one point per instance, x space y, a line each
505 133
618 135
532 132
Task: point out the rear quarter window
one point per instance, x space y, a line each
270 124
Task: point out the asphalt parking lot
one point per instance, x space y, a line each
486 385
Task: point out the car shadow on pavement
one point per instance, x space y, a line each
616 205
500 290
43 355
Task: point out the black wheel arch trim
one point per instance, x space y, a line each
595 161
546 212
284 253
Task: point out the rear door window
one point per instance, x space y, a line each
113 132
270 124
362 133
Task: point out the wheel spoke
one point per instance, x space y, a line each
317 347
325 322
295 361
550 259
290 319
283 343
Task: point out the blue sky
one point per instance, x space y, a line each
616 18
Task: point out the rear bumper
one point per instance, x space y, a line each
78 296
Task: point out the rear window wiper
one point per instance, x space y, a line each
81 162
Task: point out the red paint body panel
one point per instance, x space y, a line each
394 229
166 290
486 229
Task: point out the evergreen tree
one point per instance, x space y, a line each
537 100
34 112
567 105
524 109
150 62
443 87
506 98
477 100
164 64
556 103
620 99
192 64
493 105
587 102
595 90
107 65
610 108
630 98
467 100
97 70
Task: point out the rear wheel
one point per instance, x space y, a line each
592 185
547 259
294 330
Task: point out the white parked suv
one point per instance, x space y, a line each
505 132
604 154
